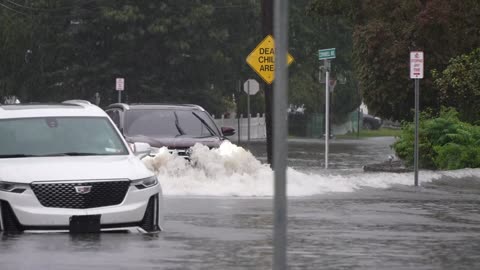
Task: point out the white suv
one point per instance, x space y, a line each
66 167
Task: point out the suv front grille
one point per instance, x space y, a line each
180 151
65 195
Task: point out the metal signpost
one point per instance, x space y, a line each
280 131
120 86
239 88
250 87
326 55
416 73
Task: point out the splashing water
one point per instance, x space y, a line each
230 170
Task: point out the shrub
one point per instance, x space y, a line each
445 142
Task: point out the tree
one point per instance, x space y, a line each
383 34
169 51
308 34
459 85
14 45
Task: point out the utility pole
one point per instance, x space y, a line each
267 29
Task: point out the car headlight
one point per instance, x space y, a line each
145 182
12 187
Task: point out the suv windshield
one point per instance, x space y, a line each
169 123
57 136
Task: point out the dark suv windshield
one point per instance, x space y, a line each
169 123
51 136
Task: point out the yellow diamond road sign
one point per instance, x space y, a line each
262 59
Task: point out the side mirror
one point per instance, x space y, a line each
141 149
228 131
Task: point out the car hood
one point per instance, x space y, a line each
27 170
178 142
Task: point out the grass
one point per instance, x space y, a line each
382 132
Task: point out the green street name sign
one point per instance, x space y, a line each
326 54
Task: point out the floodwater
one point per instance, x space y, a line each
219 216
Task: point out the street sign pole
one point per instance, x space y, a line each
326 55
238 111
120 86
248 110
262 60
417 109
327 109
416 73
251 87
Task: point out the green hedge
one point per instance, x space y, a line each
445 142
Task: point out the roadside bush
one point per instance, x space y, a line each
445 142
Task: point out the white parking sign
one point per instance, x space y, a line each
416 65
120 84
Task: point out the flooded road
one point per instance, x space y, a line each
219 216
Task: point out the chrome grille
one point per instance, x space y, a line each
181 152
64 194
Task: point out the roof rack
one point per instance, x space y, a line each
194 106
126 106
77 102
119 105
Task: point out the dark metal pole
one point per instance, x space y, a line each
358 122
267 29
280 124
238 110
248 109
417 110
327 109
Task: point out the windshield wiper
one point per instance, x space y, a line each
177 125
17 156
73 154
53 155
210 129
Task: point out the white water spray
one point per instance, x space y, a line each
230 170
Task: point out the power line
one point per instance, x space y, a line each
14 10
47 9
84 11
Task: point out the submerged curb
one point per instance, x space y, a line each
396 166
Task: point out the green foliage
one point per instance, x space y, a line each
167 51
309 33
384 32
445 142
459 85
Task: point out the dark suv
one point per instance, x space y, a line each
177 127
